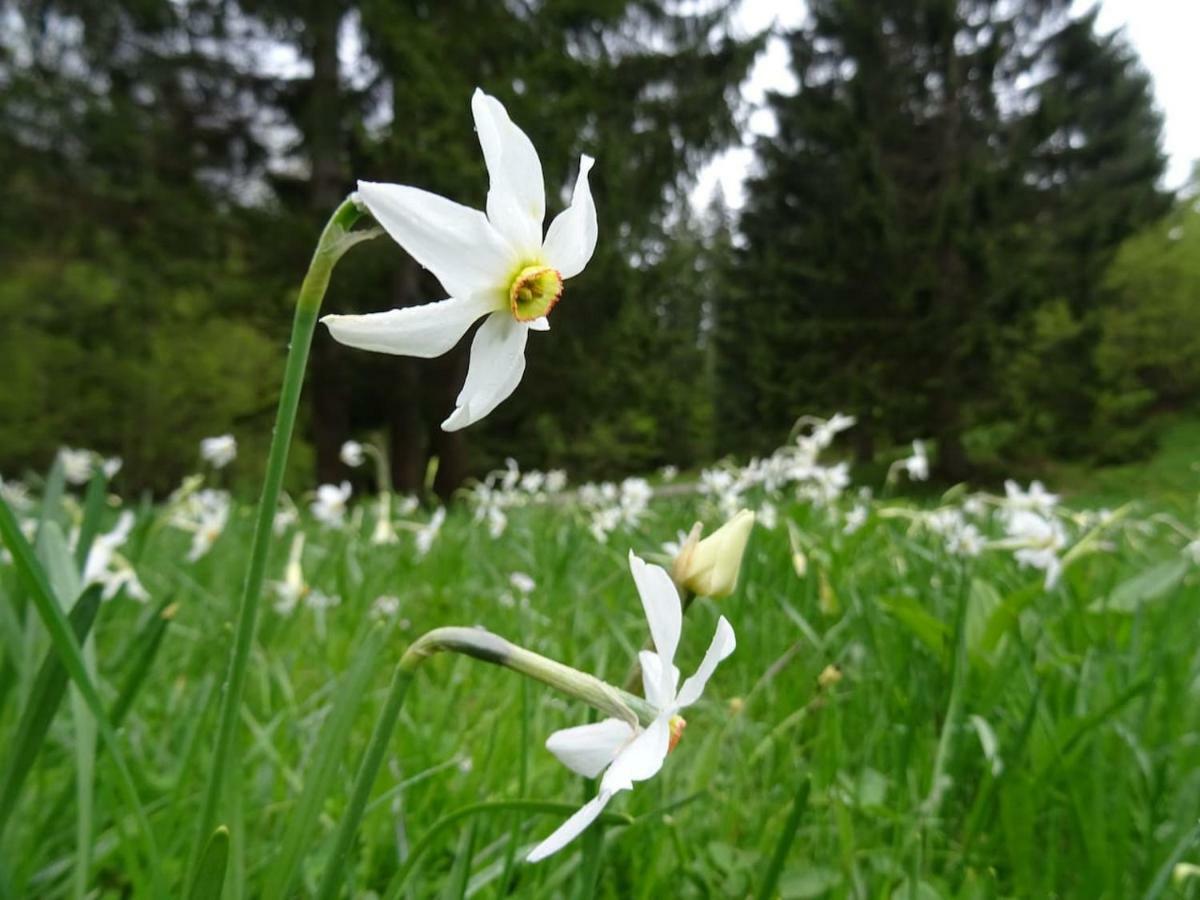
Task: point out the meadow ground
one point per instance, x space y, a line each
913 691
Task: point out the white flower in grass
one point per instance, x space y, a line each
211 514
917 465
1192 550
285 518
385 607
496 265
856 518
218 451
111 466
77 465
352 454
329 505
1041 539
556 481
428 534
522 582
1037 498
624 754
15 494
104 566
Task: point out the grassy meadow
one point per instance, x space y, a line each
900 718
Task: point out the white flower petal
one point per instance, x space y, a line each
723 643
660 600
426 331
454 242
571 238
660 692
541 324
516 203
588 749
570 829
497 364
641 759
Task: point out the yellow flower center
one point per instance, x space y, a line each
676 724
534 292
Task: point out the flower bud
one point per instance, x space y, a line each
709 567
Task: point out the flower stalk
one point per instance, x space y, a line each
335 240
486 647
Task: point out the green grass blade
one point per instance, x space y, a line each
528 807
327 754
210 872
44 700
766 889
93 511
68 650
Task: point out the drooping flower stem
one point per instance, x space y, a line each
490 648
335 240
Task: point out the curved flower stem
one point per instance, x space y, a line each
335 240
490 648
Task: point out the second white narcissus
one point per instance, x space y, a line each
614 747
497 265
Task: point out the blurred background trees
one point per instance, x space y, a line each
956 232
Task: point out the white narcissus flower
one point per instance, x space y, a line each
329 507
428 534
626 755
211 513
497 265
917 465
219 451
77 465
352 454
104 566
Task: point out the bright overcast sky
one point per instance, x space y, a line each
1163 32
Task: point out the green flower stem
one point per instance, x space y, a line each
336 239
490 648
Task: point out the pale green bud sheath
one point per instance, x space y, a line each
335 240
486 647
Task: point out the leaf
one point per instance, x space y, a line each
210 873
927 629
323 767
44 699
983 602
811 882
67 649
1129 595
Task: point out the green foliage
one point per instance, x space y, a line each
925 243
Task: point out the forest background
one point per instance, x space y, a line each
957 231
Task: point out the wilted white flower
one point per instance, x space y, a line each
76 464
623 753
496 265
352 454
428 534
218 451
329 506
